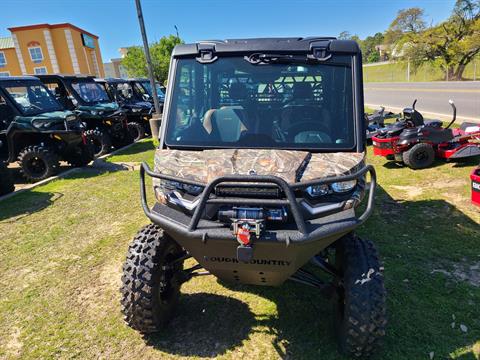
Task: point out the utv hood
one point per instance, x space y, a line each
291 166
53 116
107 107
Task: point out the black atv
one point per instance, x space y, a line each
37 131
105 122
133 102
256 176
144 89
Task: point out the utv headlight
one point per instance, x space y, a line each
41 124
344 186
175 185
135 110
317 190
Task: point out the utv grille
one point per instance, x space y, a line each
248 191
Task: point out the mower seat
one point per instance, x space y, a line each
434 123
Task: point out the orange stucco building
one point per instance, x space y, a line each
50 49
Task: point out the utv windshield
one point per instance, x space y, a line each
148 88
33 99
233 102
90 92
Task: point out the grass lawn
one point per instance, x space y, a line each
397 72
62 247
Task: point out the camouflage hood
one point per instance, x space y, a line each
292 166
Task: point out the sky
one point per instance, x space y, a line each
116 22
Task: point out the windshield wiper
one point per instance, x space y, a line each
259 58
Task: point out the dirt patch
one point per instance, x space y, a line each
450 183
14 345
463 271
409 192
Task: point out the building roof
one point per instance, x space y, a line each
6 43
51 26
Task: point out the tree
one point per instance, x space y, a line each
451 44
160 51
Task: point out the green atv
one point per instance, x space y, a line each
134 102
37 131
105 122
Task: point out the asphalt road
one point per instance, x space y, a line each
432 97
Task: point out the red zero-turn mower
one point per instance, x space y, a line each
418 146
475 177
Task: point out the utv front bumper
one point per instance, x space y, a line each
277 253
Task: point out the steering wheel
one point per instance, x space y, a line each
297 128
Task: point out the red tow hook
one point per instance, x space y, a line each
84 138
243 236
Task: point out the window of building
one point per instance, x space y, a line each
3 59
42 70
36 54
4 73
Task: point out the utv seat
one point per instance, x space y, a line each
225 124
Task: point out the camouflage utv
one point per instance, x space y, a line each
260 171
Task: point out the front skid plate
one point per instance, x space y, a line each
272 263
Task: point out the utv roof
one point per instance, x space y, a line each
18 78
65 76
295 45
111 80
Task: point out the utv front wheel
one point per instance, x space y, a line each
360 299
420 156
150 289
38 163
102 143
137 131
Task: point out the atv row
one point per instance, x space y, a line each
417 143
135 103
37 132
105 122
259 177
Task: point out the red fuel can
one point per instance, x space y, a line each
475 177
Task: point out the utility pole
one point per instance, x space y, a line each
147 57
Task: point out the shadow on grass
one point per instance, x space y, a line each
206 325
414 238
458 163
25 204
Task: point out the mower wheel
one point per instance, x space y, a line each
137 131
419 156
6 180
149 288
360 299
102 143
38 163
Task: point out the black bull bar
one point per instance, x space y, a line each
194 227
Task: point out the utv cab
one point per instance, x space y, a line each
106 123
133 102
37 131
260 171
143 87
